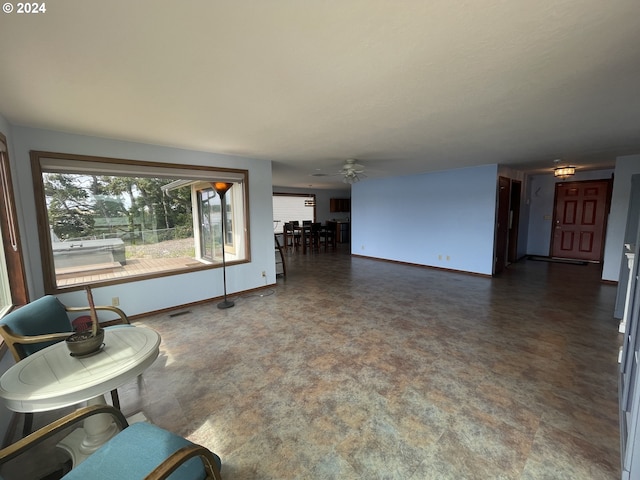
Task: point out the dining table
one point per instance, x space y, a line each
53 378
305 233
302 231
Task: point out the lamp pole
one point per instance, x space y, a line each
221 188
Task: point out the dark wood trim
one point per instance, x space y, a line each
11 233
431 267
46 252
124 161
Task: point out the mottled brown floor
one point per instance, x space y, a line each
353 368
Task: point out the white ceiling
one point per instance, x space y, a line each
403 86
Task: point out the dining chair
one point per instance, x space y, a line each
314 236
328 235
138 451
43 322
292 235
279 256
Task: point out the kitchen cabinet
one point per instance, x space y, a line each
340 204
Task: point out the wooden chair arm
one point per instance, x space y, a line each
174 461
43 433
47 337
116 310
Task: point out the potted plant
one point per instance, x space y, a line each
87 342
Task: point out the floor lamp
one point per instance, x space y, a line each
221 188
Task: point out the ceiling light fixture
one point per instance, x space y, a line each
563 172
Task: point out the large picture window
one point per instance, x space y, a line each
289 207
111 221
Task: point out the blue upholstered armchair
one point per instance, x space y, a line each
139 451
44 322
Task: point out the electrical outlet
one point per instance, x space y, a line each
439 257
115 301
448 258
264 274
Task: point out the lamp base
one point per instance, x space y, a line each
226 304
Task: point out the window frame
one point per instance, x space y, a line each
234 224
12 257
92 163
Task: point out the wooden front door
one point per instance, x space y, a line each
580 218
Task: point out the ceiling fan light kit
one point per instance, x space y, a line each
351 178
351 171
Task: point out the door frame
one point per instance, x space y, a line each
514 221
501 235
605 217
12 243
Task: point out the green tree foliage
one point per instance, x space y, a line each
107 204
69 206
83 205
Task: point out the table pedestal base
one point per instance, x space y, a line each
97 430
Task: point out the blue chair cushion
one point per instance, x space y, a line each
134 453
44 315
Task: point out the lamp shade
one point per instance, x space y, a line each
221 187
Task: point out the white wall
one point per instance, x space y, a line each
625 167
540 198
423 219
165 292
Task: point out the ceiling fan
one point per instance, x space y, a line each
351 171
